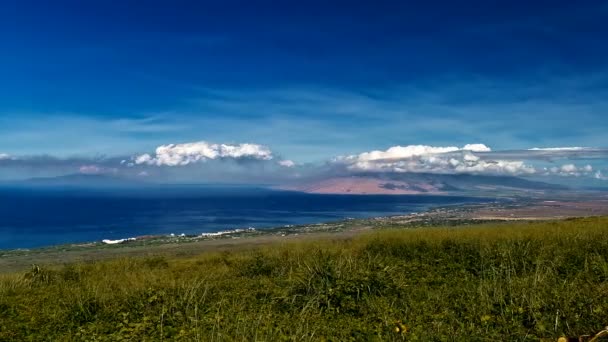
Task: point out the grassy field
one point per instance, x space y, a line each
492 282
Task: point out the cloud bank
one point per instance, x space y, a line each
189 153
204 161
432 159
574 148
410 151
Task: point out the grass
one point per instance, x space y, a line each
515 281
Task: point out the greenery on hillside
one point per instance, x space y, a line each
519 281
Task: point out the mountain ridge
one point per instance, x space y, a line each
410 184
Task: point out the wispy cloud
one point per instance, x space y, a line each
313 123
559 149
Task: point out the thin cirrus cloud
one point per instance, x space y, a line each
559 149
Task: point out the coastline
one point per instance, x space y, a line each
522 209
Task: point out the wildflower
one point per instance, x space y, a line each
400 328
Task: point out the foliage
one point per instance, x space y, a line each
516 281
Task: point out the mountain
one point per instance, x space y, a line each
394 184
412 183
79 181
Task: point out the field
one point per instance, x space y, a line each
515 281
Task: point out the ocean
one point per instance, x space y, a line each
42 217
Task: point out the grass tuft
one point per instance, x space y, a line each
515 281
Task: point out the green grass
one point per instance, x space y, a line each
517 281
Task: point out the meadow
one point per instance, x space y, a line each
488 282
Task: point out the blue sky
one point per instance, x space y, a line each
312 80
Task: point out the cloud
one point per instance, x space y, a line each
249 162
477 148
570 170
188 153
551 154
287 163
404 152
95 169
557 149
599 175
430 159
90 169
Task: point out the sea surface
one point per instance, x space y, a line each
43 217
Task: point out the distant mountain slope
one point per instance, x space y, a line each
364 185
411 183
78 180
397 184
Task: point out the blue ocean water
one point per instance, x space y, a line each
42 217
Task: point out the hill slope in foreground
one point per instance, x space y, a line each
499 281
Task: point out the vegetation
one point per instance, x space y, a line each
515 281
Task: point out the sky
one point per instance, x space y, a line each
86 85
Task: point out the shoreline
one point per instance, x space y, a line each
522 209
239 231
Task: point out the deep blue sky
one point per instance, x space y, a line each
310 79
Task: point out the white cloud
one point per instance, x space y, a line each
94 169
184 154
477 148
575 148
600 176
470 159
429 159
90 169
402 152
144 159
570 170
287 163
4 156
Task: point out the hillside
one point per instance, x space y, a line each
488 282
79 181
414 183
